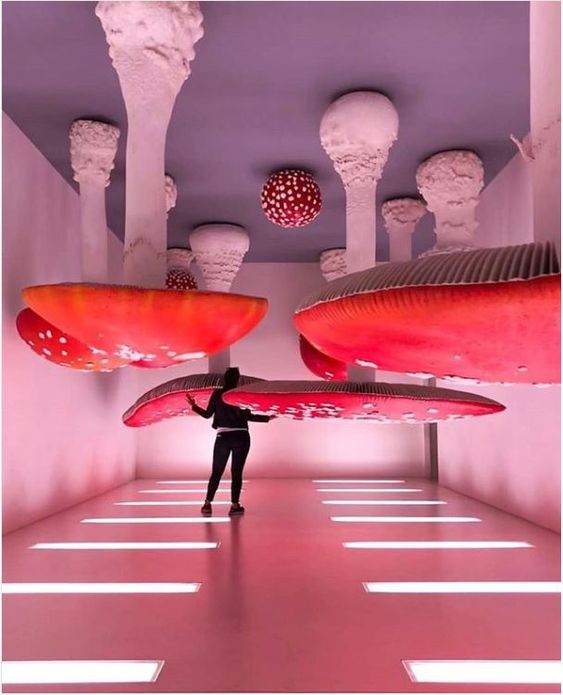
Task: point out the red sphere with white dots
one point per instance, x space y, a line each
291 198
178 279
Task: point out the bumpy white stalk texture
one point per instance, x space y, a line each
218 250
93 146
357 132
401 215
333 264
450 183
170 193
151 45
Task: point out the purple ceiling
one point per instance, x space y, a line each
264 72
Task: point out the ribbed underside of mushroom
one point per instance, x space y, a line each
169 399
161 328
377 403
491 315
319 364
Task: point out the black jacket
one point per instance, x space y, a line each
227 415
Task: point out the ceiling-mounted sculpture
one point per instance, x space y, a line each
401 215
291 198
179 276
489 315
62 349
159 326
378 403
319 364
450 183
169 399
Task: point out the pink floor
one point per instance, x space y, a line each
282 606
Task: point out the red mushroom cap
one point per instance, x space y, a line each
169 399
383 403
62 349
178 279
291 198
147 324
319 364
491 315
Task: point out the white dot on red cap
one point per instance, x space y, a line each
49 334
62 339
41 335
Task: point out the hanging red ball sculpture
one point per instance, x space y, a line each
178 279
291 198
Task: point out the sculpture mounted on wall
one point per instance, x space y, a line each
291 198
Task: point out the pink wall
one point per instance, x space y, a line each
62 437
282 448
510 460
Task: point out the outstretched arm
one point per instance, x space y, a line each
251 417
204 412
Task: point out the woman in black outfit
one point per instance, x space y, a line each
233 438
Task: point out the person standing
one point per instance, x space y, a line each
233 438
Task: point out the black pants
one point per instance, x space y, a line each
238 444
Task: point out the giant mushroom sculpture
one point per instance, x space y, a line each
490 315
169 399
378 403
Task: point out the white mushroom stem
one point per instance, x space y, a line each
93 146
401 215
218 250
179 259
357 132
545 119
151 45
333 264
170 193
450 183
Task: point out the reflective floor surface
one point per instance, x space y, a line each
286 598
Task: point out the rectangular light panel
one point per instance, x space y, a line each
14 672
100 588
362 480
159 520
157 545
387 502
405 519
189 503
462 587
164 490
190 482
368 489
484 671
438 545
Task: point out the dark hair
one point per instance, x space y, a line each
231 378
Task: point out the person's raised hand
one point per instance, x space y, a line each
190 399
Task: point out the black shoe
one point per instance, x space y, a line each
236 509
206 510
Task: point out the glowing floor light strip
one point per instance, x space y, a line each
438 545
386 502
189 482
484 671
462 587
159 520
406 519
189 503
101 588
368 489
157 545
14 672
359 480
163 490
